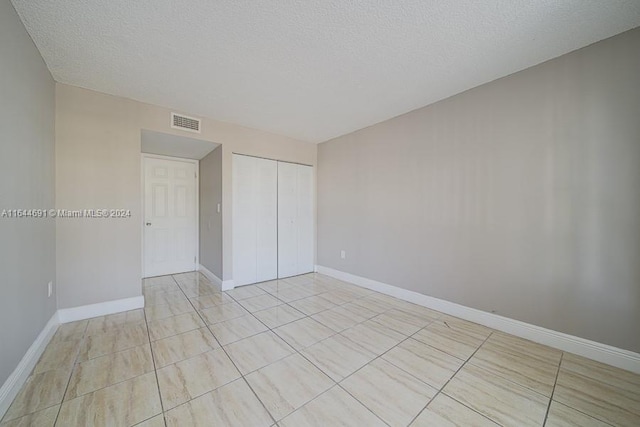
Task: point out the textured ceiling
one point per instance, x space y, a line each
310 69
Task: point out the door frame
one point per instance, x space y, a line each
144 156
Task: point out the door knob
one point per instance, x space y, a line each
148 224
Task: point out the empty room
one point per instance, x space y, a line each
319 213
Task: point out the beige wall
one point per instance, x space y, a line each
98 166
27 246
210 218
519 197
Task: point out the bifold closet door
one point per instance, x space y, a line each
305 219
295 219
255 210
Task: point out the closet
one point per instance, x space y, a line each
273 219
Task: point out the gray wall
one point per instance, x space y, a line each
27 246
521 196
210 218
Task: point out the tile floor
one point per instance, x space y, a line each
308 351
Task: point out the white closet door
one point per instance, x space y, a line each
305 219
295 219
267 220
287 219
244 221
254 220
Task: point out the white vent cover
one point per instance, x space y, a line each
190 124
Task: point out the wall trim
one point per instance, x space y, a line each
225 285
214 279
18 377
604 353
66 315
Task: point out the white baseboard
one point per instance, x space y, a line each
67 315
604 353
16 380
225 285
214 279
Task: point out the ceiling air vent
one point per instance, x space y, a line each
178 121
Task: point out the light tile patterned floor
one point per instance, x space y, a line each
308 351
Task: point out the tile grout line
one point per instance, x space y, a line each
413 376
555 382
153 360
441 390
380 357
214 337
205 325
396 345
593 416
509 380
296 351
363 405
242 376
188 300
75 361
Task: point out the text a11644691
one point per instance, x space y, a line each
65 213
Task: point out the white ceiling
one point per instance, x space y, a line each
174 146
310 69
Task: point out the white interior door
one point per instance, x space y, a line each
255 238
170 226
295 219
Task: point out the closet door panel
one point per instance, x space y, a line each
305 219
287 216
267 219
244 220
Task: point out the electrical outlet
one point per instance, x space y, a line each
343 255
49 289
